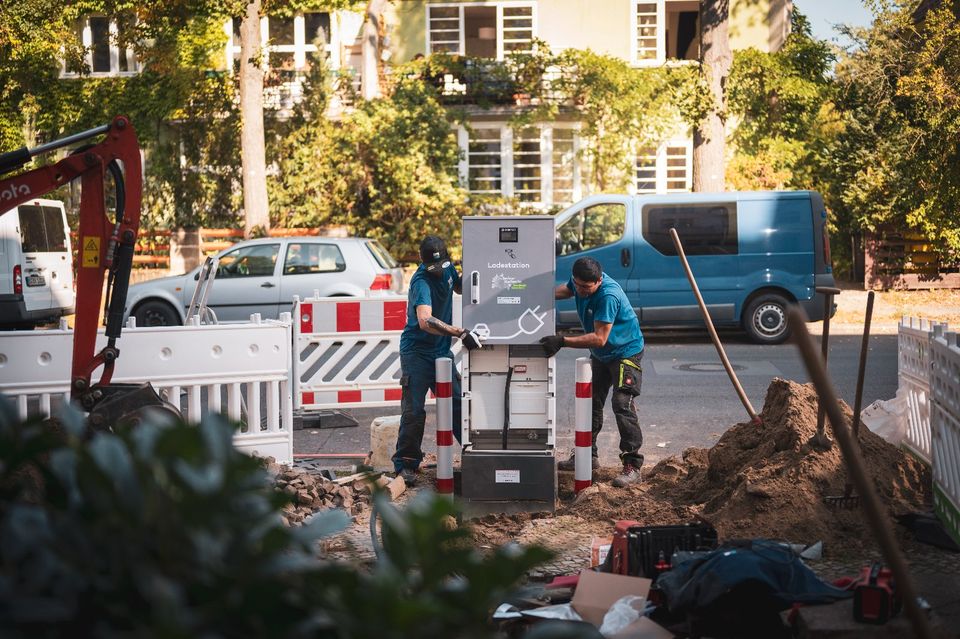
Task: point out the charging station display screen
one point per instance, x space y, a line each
509 234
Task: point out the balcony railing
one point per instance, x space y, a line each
463 81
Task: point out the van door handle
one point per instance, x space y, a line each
625 257
267 285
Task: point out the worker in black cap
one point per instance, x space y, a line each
425 338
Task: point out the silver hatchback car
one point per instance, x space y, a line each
263 275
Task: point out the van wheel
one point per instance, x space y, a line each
765 319
156 314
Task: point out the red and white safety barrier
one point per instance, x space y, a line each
346 351
444 369
583 426
348 315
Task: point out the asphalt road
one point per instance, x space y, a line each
686 400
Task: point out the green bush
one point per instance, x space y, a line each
165 530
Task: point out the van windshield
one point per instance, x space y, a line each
41 229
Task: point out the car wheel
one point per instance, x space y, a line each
765 319
156 313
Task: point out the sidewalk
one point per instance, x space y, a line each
888 308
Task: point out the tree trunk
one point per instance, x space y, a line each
370 74
709 138
252 152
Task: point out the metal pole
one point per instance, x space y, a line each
863 366
444 393
877 520
820 440
754 417
583 426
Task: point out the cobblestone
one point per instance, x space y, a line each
570 538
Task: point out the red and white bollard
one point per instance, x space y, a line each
444 368
583 426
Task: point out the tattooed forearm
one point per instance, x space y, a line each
441 328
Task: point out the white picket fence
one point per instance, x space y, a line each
230 368
945 428
913 368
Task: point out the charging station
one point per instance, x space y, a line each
509 388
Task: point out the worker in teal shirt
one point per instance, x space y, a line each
425 338
612 333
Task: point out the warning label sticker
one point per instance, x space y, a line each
506 476
91 252
508 300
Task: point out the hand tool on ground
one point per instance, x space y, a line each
754 417
877 519
848 499
820 439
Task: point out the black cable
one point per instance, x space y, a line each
506 406
374 539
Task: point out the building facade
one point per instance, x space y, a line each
542 165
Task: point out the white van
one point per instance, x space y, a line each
36 269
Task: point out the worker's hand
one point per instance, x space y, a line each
551 344
470 340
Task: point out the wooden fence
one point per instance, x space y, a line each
156 246
905 261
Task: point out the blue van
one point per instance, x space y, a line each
753 254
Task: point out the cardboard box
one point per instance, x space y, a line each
597 591
599 547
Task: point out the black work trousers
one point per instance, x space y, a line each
625 377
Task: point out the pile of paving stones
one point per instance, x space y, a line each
312 492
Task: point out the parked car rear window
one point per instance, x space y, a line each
704 229
313 258
41 228
381 255
249 261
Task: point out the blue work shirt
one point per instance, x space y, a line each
437 293
609 304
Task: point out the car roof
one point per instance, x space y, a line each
303 238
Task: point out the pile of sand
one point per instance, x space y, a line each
759 481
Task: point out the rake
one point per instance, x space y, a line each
848 500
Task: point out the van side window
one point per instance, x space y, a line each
597 225
41 229
704 229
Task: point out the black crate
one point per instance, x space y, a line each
649 545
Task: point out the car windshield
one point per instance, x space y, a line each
381 255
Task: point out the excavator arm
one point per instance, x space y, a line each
106 245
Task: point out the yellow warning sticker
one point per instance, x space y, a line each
91 252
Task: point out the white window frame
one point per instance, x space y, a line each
662 179
300 47
661 57
507 187
461 6
86 39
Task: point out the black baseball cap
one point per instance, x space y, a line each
433 253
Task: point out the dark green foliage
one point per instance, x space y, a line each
782 102
895 160
165 530
387 169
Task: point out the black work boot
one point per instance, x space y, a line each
571 464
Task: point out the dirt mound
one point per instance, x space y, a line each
763 481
